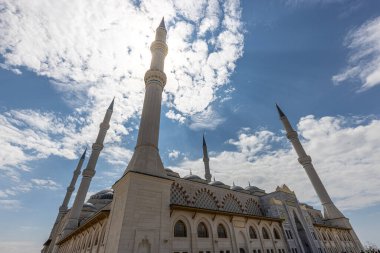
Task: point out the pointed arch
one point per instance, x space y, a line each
204 198
252 207
180 229
264 232
252 233
231 204
178 195
276 234
222 232
202 230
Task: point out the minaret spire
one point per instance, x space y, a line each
330 210
88 173
206 161
146 158
63 208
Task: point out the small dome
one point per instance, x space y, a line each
219 184
104 194
253 189
171 173
194 178
237 188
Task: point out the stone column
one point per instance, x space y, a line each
330 210
88 174
64 206
206 161
146 158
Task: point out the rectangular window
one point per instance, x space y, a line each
268 251
222 251
254 251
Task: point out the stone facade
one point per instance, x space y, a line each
153 210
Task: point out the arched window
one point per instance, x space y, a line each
252 233
180 229
276 234
202 230
221 231
265 234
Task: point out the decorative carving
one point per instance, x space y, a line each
204 198
178 195
253 208
232 204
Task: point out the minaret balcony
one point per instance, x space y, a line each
155 75
159 45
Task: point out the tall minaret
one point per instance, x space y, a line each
88 173
330 210
146 158
64 206
206 161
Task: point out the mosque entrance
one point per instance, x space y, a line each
302 234
241 250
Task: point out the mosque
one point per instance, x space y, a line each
151 209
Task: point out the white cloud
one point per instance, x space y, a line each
174 154
45 184
19 246
344 151
207 119
364 59
10 204
91 52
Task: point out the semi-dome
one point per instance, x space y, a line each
104 194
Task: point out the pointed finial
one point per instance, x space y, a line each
280 112
84 154
111 105
162 24
191 173
214 179
204 141
233 183
249 184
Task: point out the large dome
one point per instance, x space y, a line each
88 207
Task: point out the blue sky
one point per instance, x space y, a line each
229 62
